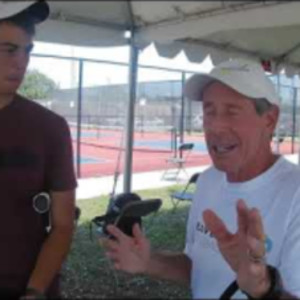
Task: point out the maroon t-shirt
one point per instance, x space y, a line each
35 156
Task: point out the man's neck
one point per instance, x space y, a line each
6 100
250 173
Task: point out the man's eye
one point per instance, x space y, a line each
9 50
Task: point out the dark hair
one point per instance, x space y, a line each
22 20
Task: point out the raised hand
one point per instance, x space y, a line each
244 250
130 254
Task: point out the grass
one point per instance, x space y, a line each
87 273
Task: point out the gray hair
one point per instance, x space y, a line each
261 105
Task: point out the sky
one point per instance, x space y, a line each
65 72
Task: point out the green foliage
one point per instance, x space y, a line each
37 86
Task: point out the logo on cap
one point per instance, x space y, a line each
230 69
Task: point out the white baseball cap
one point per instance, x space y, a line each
37 10
246 77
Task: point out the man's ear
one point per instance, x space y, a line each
271 118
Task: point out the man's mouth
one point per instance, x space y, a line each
222 150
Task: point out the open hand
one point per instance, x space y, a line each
244 250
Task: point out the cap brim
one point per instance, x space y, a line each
38 11
195 85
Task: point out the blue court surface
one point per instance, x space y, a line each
90 160
89 134
166 145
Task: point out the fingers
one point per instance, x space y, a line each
256 249
216 226
255 237
117 233
130 254
256 228
249 220
122 240
242 212
116 247
114 256
111 245
250 228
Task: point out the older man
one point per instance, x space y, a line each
243 231
35 161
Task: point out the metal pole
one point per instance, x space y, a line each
79 115
294 119
173 112
133 68
277 131
182 112
298 132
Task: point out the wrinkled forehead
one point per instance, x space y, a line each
218 91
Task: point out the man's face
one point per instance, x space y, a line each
238 139
15 47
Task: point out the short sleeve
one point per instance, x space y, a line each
60 175
289 266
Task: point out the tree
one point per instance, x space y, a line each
37 86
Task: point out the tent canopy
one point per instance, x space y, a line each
262 30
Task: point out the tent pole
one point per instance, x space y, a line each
278 126
129 136
294 118
182 112
79 119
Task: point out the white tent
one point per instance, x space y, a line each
260 30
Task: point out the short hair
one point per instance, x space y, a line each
261 105
22 20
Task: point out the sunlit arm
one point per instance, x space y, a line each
57 245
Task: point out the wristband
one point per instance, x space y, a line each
275 290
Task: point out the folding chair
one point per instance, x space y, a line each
185 194
178 162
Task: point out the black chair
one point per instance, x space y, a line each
176 164
186 194
77 214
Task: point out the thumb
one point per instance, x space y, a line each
137 232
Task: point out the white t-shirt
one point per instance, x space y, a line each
276 193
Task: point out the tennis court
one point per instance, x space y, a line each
100 151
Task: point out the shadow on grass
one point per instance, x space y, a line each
89 274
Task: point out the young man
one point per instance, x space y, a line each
35 157
243 232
